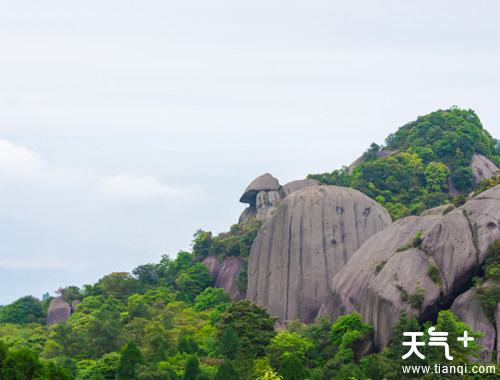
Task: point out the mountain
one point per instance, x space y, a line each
319 278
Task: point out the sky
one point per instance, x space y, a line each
125 126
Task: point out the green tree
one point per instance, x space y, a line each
436 174
210 298
348 335
228 343
227 371
192 368
25 309
292 368
253 325
22 364
285 344
130 357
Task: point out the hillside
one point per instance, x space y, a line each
424 164
334 269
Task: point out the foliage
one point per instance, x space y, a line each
25 309
292 368
210 298
227 371
130 357
433 273
420 158
285 344
253 325
192 368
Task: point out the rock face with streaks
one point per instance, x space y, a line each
380 283
482 167
225 273
469 309
59 311
305 243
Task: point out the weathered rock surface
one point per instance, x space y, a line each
59 311
358 287
305 243
292 187
469 309
266 203
455 243
482 167
437 210
74 304
225 273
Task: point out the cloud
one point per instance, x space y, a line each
142 189
18 161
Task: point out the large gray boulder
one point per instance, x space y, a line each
482 167
59 311
224 273
469 309
373 282
305 243
456 244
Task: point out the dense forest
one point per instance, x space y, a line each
165 320
415 168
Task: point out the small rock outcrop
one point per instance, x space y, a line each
380 283
305 243
59 311
469 309
225 273
482 167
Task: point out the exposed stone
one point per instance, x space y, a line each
248 213
265 182
437 210
266 203
305 243
359 287
469 309
294 186
225 273
74 304
482 167
59 311
455 243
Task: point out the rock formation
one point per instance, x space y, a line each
482 167
305 243
264 195
380 283
469 309
225 273
59 311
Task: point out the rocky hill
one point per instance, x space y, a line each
330 250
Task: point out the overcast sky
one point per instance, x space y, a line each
126 125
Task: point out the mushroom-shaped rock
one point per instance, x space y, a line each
305 243
265 182
59 311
